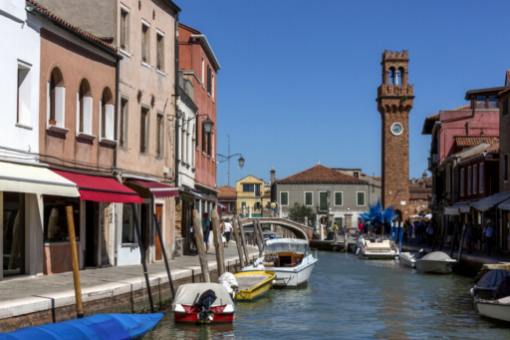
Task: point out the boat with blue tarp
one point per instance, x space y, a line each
99 326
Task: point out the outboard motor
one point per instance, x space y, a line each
229 281
204 304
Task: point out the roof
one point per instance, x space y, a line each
226 192
464 141
319 174
34 6
202 39
485 91
428 124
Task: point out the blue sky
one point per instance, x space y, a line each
299 78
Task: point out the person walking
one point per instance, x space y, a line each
488 234
227 227
206 229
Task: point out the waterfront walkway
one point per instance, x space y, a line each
27 295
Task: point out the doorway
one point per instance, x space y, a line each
13 234
157 241
91 234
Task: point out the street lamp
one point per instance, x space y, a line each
226 158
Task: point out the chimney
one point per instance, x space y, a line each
272 175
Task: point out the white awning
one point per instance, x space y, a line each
491 201
34 180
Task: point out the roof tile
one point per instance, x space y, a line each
320 174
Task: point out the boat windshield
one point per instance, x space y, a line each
278 247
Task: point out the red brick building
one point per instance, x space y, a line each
198 63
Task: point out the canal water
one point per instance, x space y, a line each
354 299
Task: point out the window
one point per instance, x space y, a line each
475 179
55 218
462 182
213 85
505 170
13 233
107 115
202 75
209 80
323 201
209 143
24 94
160 49
159 136
56 99
481 179
391 75
339 200
308 198
123 121
145 43
469 182
360 198
124 29
144 129
506 104
84 107
284 198
248 187
128 224
339 221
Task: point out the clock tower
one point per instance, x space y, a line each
394 101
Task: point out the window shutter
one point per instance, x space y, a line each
109 121
87 115
60 104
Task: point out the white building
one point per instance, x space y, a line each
22 180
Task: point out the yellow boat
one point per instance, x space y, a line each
253 284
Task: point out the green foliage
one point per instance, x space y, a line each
299 212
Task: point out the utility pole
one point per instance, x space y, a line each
228 160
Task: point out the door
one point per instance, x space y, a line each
91 234
157 241
14 234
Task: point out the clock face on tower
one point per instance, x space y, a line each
397 128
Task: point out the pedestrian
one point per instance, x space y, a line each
227 227
488 234
206 229
430 234
335 232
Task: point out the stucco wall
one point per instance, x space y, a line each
21 42
76 60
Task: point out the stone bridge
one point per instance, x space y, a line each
297 229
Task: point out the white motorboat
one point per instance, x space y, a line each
290 259
436 262
495 309
492 294
407 259
377 248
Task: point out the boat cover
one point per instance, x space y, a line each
286 244
99 326
495 284
188 294
436 256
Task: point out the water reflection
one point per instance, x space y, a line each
355 299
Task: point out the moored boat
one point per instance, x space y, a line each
436 262
376 248
491 294
290 260
407 259
203 303
254 284
99 326
495 309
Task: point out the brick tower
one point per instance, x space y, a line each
394 102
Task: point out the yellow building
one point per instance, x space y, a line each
253 196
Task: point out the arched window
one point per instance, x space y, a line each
401 75
391 76
107 115
84 108
56 99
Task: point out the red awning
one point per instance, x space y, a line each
100 188
156 189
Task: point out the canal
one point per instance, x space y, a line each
355 299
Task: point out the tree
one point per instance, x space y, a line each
299 212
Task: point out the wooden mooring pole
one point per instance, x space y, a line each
76 266
199 240
258 236
165 257
237 238
218 243
143 259
243 241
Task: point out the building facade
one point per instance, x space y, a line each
394 101
333 196
252 196
198 63
227 201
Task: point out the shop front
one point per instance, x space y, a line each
22 188
95 221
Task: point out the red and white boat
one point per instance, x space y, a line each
203 303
